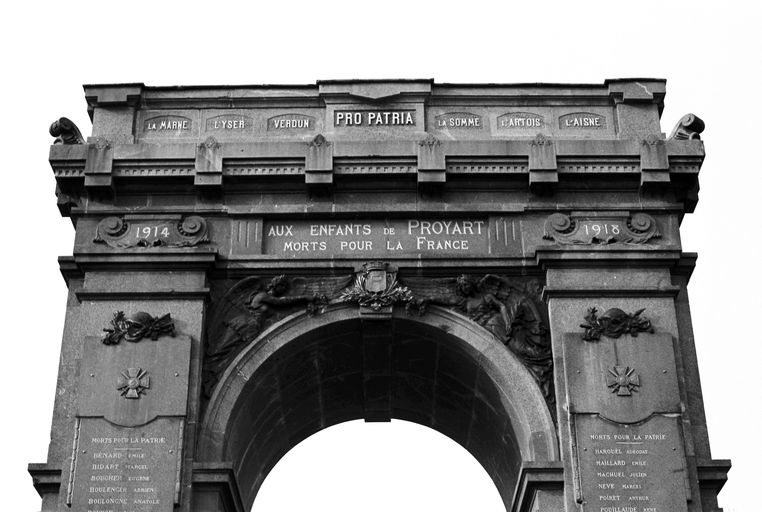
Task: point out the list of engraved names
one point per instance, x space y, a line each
124 471
629 469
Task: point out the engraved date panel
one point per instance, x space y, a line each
613 228
142 231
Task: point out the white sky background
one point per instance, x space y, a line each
708 51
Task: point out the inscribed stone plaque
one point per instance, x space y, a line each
290 122
520 121
125 469
370 118
378 238
456 120
631 468
582 121
167 124
230 123
625 379
159 367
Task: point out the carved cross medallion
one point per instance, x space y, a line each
133 382
622 380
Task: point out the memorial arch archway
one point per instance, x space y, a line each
469 193
446 372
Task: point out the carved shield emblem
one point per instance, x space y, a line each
375 282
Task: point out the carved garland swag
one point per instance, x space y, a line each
510 309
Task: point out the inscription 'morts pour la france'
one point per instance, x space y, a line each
520 121
459 120
291 122
168 124
371 118
582 120
228 123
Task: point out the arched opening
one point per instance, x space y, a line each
441 370
378 467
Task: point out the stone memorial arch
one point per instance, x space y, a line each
501 263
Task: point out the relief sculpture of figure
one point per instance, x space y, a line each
473 299
507 309
248 307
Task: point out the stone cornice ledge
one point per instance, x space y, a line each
713 473
169 293
46 478
219 478
535 476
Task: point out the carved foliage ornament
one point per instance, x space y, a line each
633 230
136 327
210 144
319 141
119 233
541 140
613 323
430 141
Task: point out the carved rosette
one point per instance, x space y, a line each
136 327
636 229
429 142
121 233
613 323
319 141
376 287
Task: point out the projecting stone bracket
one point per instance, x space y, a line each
208 165
215 487
541 484
99 165
46 478
654 163
432 168
318 164
543 167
